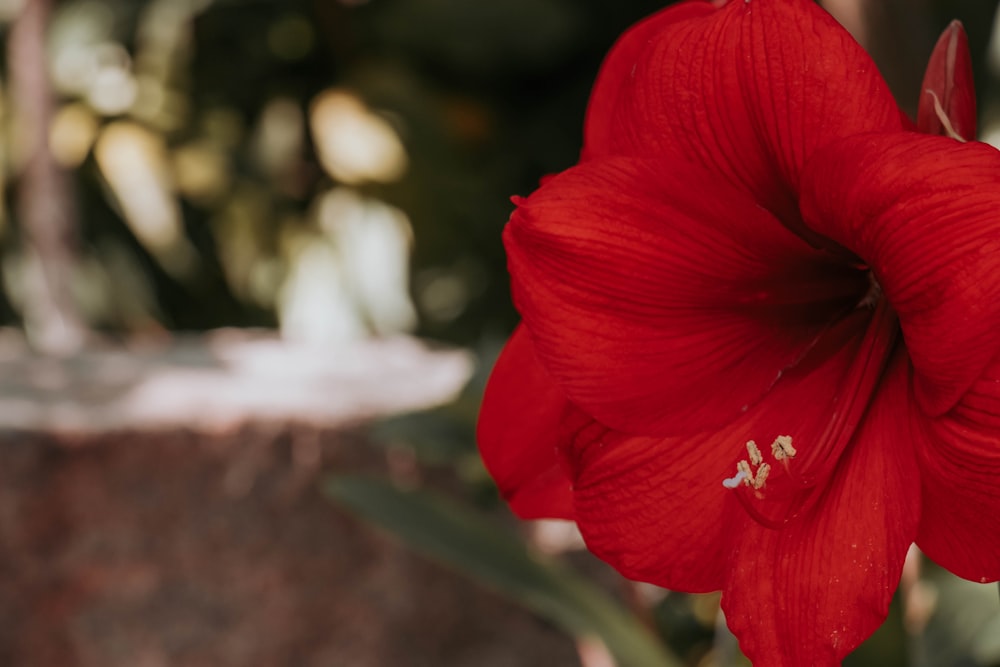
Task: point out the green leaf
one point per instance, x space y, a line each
476 546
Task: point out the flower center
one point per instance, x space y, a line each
874 293
793 488
753 472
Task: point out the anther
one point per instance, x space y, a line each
745 475
758 481
755 458
782 448
753 473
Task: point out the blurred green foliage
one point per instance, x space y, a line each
485 98
463 539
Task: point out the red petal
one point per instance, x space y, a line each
809 593
662 302
657 509
518 433
922 211
960 457
749 92
948 87
619 67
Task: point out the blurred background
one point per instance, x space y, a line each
251 285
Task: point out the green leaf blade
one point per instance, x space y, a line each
470 543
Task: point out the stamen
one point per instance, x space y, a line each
782 448
755 458
949 129
745 475
753 473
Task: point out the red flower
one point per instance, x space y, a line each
761 339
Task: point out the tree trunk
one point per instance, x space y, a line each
44 208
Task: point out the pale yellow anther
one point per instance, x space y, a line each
782 448
761 477
755 458
753 473
744 467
